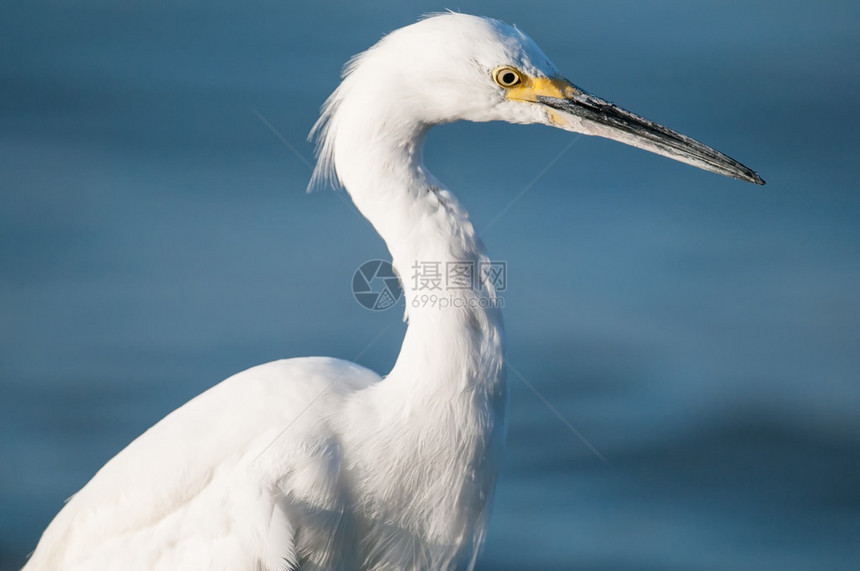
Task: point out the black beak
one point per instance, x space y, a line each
601 118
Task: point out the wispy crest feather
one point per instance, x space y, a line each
324 131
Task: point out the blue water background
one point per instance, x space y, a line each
702 334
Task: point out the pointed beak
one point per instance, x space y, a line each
573 109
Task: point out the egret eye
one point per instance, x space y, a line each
507 76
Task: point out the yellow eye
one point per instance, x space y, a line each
507 77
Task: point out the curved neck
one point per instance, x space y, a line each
455 328
439 414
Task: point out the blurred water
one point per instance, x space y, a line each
701 333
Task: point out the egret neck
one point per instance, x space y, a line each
440 412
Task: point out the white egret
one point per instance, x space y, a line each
318 463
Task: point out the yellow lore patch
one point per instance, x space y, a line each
530 88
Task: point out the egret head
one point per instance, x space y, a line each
451 67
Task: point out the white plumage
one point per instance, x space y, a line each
318 463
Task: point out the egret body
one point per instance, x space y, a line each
318 463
